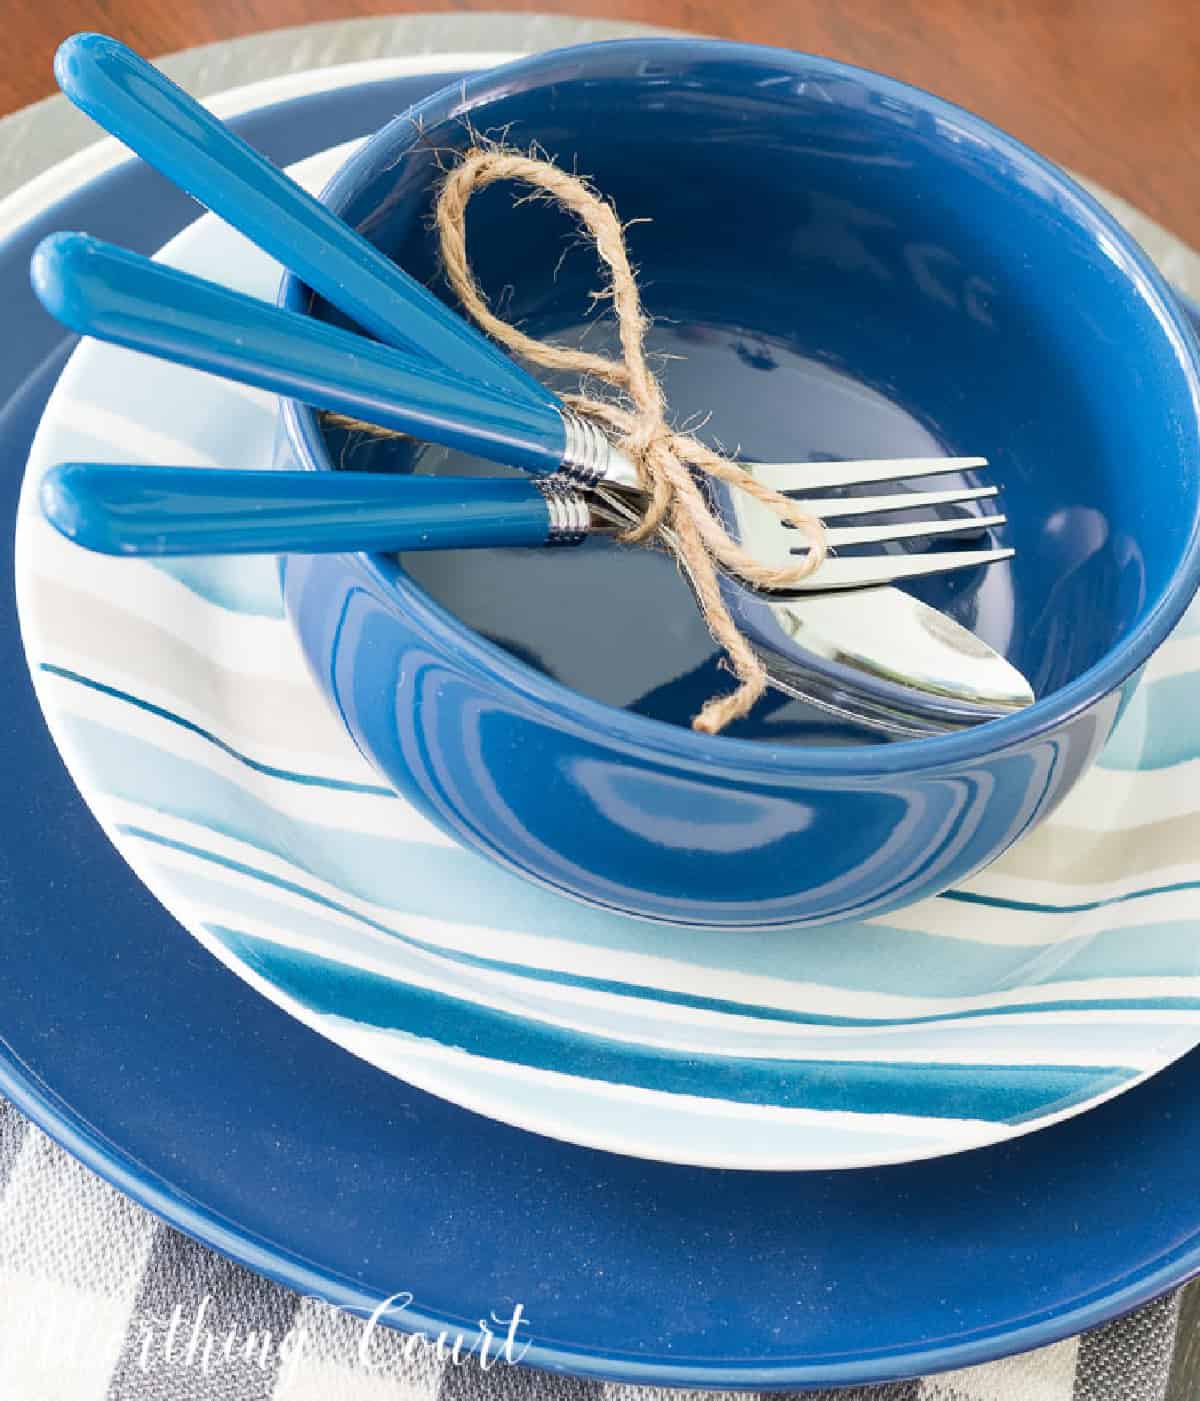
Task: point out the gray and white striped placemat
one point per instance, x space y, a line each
99 1301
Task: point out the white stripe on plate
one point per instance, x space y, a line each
650 1022
1115 800
699 1131
133 440
403 1051
598 1115
251 645
1020 1039
1023 1037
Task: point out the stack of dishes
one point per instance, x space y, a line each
182 698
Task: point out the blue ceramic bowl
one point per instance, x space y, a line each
853 268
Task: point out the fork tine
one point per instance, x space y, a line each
825 476
859 571
907 530
829 507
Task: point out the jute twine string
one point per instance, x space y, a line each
676 510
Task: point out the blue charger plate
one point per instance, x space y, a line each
167 1075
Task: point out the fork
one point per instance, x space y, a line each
121 297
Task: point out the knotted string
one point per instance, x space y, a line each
676 510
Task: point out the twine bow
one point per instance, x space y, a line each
676 510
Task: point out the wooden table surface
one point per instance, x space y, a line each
1109 87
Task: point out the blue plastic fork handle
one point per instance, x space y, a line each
115 295
137 510
159 121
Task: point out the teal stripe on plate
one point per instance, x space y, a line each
248 905
1000 1094
150 708
997 902
696 1130
658 994
632 1012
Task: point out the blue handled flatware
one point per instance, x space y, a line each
121 297
171 131
155 118
141 106
149 511
433 377
114 295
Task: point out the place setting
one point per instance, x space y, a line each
638 604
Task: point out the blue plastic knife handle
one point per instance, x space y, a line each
136 510
115 295
159 121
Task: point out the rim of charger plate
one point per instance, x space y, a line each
659 736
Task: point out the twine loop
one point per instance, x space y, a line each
676 511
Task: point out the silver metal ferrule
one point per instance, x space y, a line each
588 456
570 515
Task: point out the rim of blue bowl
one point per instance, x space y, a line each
756 755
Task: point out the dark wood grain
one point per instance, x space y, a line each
1110 87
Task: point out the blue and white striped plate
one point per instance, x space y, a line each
1067 972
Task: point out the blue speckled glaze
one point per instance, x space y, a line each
904 245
